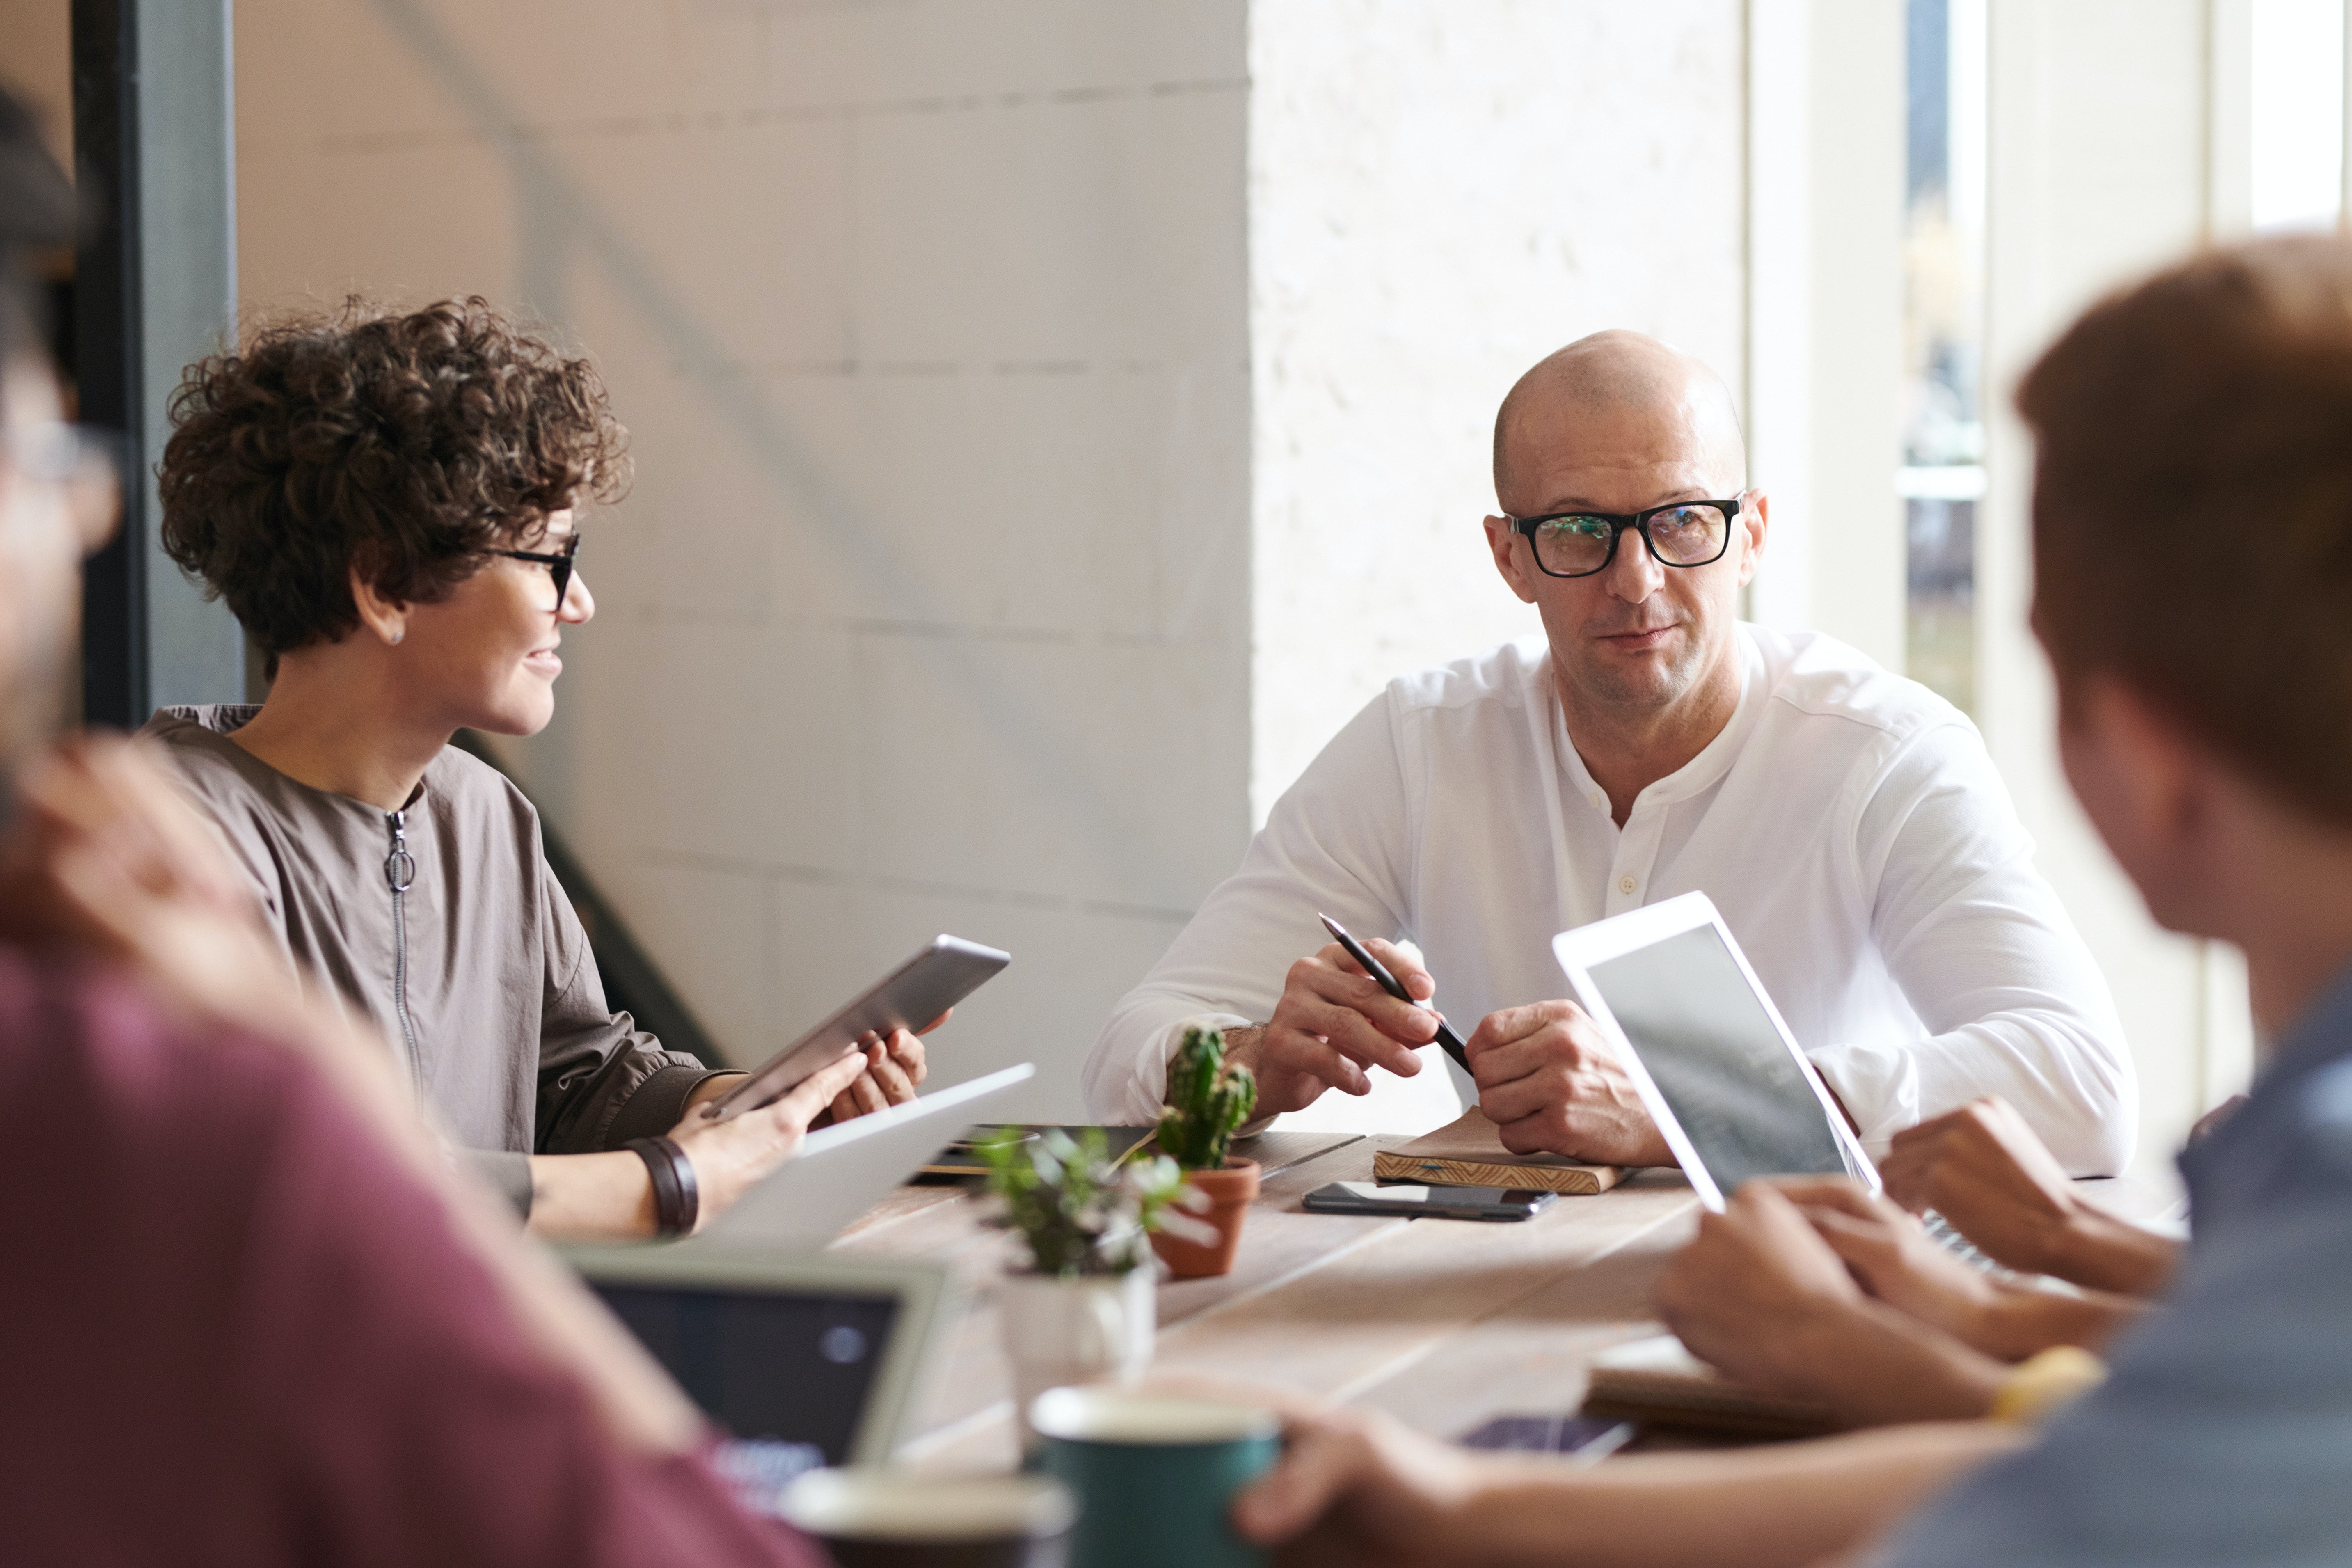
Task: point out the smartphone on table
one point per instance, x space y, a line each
1427 1203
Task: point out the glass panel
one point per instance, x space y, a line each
1943 340
1688 535
1572 544
2298 111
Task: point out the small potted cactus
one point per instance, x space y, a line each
1211 1100
1084 1310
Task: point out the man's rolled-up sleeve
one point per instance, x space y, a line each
2013 1002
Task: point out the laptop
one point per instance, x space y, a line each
841 1170
804 1361
1715 1065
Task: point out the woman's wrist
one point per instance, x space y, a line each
677 1194
591 1197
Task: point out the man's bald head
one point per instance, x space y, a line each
1596 384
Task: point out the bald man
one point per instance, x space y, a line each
1847 823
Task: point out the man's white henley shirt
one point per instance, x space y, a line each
1847 822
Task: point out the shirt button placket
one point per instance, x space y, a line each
1637 846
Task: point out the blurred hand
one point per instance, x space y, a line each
1982 1169
1760 1295
1894 1258
1551 1083
731 1157
104 855
1333 1023
1354 1487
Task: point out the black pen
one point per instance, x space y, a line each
1395 987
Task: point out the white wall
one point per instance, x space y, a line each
1442 192
929 610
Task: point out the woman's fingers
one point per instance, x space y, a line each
800 1104
913 1058
867 1094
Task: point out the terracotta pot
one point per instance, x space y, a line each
1230 1192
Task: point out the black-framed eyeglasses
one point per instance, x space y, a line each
1579 543
559 566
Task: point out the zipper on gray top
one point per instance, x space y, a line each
399 871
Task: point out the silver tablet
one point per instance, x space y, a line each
1716 1067
911 996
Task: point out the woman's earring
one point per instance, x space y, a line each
397 635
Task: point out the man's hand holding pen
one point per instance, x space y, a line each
1547 1078
1334 1022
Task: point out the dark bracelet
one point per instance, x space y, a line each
678 1200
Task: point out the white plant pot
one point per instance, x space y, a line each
1063 1332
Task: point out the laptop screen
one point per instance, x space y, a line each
1711 1049
788 1372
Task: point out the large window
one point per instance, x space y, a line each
1943 476
2296 105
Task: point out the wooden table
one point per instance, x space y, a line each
1443 1323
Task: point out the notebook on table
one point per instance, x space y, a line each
1468 1153
1657 1382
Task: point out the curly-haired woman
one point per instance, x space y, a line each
386 502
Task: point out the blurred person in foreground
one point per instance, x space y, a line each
253 1315
2193 590
388 503
1846 821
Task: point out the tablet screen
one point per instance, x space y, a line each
1710 1046
787 1369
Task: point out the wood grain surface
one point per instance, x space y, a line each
1443 1323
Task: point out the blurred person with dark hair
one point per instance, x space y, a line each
2192 528
387 502
253 1314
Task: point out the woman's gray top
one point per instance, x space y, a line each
444 925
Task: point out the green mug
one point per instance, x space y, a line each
1155 1475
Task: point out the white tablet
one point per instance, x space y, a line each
1716 1067
841 1170
804 1361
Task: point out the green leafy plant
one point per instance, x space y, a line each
1080 1211
1210 1101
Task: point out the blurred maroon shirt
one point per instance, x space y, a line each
236 1332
